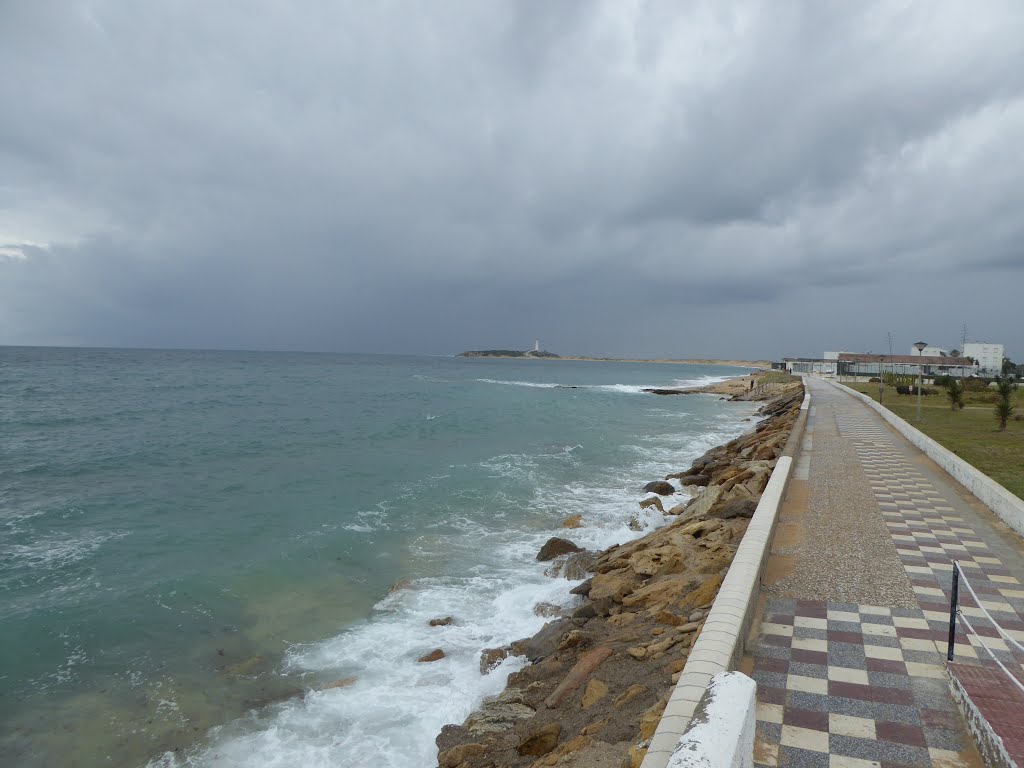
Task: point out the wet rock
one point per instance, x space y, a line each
694 479
660 487
443 621
435 655
492 657
344 682
554 570
547 609
399 585
497 716
653 501
579 565
554 547
541 741
576 521
582 589
545 642
247 666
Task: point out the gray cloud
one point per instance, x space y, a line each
656 178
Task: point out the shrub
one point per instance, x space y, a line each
899 379
974 384
955 393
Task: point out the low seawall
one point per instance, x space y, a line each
624 672
720 646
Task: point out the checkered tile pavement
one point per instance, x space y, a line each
853 685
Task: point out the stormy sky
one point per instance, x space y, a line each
656 178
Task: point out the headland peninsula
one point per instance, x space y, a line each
544 355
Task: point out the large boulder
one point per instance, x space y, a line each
733 508
492 657
456 756
579 565
694 479
554 547
545 642
652 501
660 487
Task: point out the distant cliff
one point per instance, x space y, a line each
506 353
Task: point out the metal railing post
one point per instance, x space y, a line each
953 599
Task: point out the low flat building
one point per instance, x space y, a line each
860 364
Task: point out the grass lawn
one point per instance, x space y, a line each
777 377
971 434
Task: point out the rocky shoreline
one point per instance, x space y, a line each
601 675
762 385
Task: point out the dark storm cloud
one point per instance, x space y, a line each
645 178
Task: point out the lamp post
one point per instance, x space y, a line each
919 346
881 379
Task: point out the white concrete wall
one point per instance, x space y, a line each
721 734
1007 506
720 644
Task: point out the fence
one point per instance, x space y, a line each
955 612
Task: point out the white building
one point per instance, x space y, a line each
989 357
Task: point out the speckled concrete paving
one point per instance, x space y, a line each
849 658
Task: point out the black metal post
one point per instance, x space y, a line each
952 609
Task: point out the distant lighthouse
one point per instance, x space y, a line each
536 346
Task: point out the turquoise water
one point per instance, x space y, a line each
200 540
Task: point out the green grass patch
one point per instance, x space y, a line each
972 434
777 377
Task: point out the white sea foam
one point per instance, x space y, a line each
59 551
391 714
541 385
626 389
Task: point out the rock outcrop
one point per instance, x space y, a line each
600 677
554 547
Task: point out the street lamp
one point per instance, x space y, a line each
919 346
881 379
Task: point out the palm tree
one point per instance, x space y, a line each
1005 386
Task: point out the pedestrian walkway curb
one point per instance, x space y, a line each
1006 505
719 647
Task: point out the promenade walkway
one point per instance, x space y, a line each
849 659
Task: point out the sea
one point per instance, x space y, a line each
216 558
